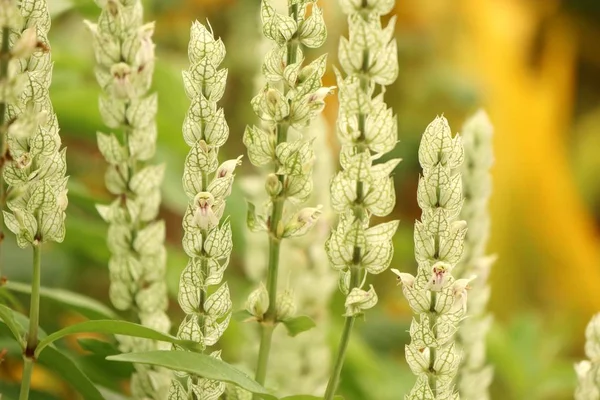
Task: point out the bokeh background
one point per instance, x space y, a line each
535 67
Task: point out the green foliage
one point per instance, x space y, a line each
198 364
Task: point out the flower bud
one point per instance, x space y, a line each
26 45
145 52
226 169
286 308
303 220
273 185
258 302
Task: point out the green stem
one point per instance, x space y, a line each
26 379
432 350
34 319
263 354
4 59
344 341
270 318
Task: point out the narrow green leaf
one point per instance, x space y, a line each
297 325
112 327
98 347
6 315
198 364
86 306
64 366
54 359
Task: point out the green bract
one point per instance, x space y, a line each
474 375
125 63
34 165
202 294
439 301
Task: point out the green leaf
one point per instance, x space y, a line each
198 364
55 359
86 306
6 314
243 316
64 366
98 347
297 325
112 327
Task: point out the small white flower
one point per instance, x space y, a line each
439 276
204 214
121 85
404 278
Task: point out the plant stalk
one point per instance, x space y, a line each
34 319
334 379
355 269
4 59
270 318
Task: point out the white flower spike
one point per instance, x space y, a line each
367 129
475 375
438 300
124 54
207 186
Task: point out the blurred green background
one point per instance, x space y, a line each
534 65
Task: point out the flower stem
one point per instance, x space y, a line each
263 354
34 318
4 58
270 318
26 379
344 341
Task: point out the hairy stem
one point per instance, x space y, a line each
34 318
4 58
268 325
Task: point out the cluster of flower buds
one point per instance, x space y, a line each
588 371
202 294
299 364
367 129
438 300
291 98
34 165
124 54
475 376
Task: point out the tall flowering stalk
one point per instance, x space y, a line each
475 375
124 54
438 300
290 99
367 130
588 371
203 295
300 364
34 166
